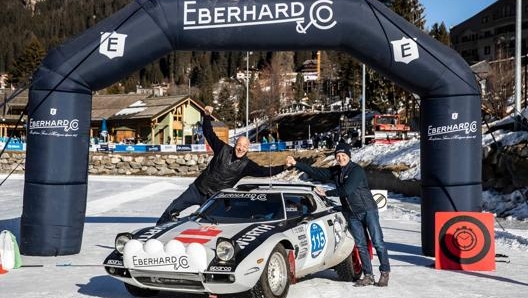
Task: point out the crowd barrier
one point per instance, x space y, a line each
143 148
253 147
13 146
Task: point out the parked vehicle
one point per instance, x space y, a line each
388 128
254 239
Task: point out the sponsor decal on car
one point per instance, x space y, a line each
220 268
251 196
252 234
114 262
302 253
151 233
202 235
171 256
339 230
298 229
177 262
318 239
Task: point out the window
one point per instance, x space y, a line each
298 205
242 207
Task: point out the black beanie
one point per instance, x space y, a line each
343 148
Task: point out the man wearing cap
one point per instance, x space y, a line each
358 205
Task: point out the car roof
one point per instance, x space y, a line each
275 187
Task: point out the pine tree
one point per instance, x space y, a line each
25 65
388 97
440 33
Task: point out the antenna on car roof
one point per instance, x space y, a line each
269 154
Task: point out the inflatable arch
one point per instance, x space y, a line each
60 98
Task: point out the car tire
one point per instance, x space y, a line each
350 269
275 280
140 292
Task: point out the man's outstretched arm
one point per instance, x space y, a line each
254 170
208 132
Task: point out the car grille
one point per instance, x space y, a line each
178 281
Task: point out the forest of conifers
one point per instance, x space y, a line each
28 29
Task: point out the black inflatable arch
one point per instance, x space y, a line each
60 98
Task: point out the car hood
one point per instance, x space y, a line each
186 246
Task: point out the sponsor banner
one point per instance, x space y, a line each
302 144
184 148
104 148
152 148
13 146
265 147
198 148
302 16
168 148
254 147
276 146
130 148
464 241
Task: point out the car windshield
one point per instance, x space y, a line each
237 207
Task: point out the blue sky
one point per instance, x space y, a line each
452 12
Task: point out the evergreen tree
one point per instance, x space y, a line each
440 33
226 107
388 97
25 65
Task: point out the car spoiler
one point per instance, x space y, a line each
252 186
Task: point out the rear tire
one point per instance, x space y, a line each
350 269
274 281
140 292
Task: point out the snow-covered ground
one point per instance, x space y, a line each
118 204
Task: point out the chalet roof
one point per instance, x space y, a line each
135 106
123 106
18 101
105 106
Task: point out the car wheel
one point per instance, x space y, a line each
350 269
140 292
274 281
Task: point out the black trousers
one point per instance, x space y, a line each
191 196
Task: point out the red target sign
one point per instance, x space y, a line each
464 241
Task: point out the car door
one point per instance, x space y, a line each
314 232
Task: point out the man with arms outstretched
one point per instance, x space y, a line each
225 169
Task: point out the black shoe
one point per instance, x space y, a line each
174 216
367 280
168 217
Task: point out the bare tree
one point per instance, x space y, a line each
500 85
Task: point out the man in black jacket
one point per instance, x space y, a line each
225 169
358 205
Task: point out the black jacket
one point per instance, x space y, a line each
351 185
225 169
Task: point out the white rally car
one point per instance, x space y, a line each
254 239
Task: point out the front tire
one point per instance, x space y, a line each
140 292
350 269
274 281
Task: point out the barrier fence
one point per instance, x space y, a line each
143 148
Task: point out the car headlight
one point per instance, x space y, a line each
225 249
120 241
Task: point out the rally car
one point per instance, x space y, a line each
254 240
